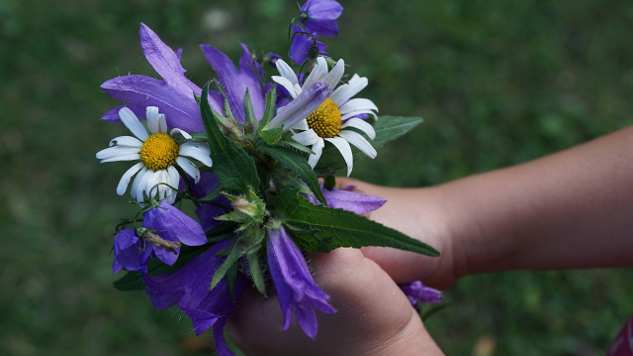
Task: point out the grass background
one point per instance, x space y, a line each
498 83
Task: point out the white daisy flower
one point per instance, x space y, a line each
335 116
158 153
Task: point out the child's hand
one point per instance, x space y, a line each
373 315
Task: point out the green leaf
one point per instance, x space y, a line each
269 110
294 144
270 136
251 121
340 228
256 272
298 165
232 165
236 253
388 128
131 281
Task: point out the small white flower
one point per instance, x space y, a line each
335 116
158 153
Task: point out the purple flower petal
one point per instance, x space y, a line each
190 283
165 62
321 16
113 115
177 225
302 106
295 286
208 212
300 46
419 293
129 252
356 202
181 110
235 82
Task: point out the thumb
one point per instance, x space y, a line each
373 315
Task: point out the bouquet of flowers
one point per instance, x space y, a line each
247 151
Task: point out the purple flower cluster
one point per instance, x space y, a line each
319 19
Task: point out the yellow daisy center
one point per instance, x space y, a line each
326 119
159 152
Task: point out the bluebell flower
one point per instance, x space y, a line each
174 226
301 45
296 289
419 293
188 287
319 16
129 252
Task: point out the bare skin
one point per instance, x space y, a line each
568 210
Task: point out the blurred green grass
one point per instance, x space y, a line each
497 82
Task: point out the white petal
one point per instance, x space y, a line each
361 125
318 73
174 178
317 148
358 112
344 92
286 84
127 176
198 151
189 168
307 138
133 124
117 151
357 104
151 113
335 75
126 141
151 186
286 72
162 123
130 157
137 181
162 187
142 184
184 134
300 125
346 151
360 142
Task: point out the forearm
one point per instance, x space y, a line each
572 209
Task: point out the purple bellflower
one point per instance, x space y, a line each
302 45
189 288
347 199
319 16
174 95
172 225
293 281
129 252
419 293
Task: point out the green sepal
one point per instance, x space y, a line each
271 136
256 272
269 110
250 126
298 165
339 228
329 182
233 256
388 128
130 281
249 209
234 168
231 275
195 137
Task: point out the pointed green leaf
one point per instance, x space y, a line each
232 165
131 281
340 228
388 128
256 272
294 144
297 164
233 256
270 136
251 121
269 111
